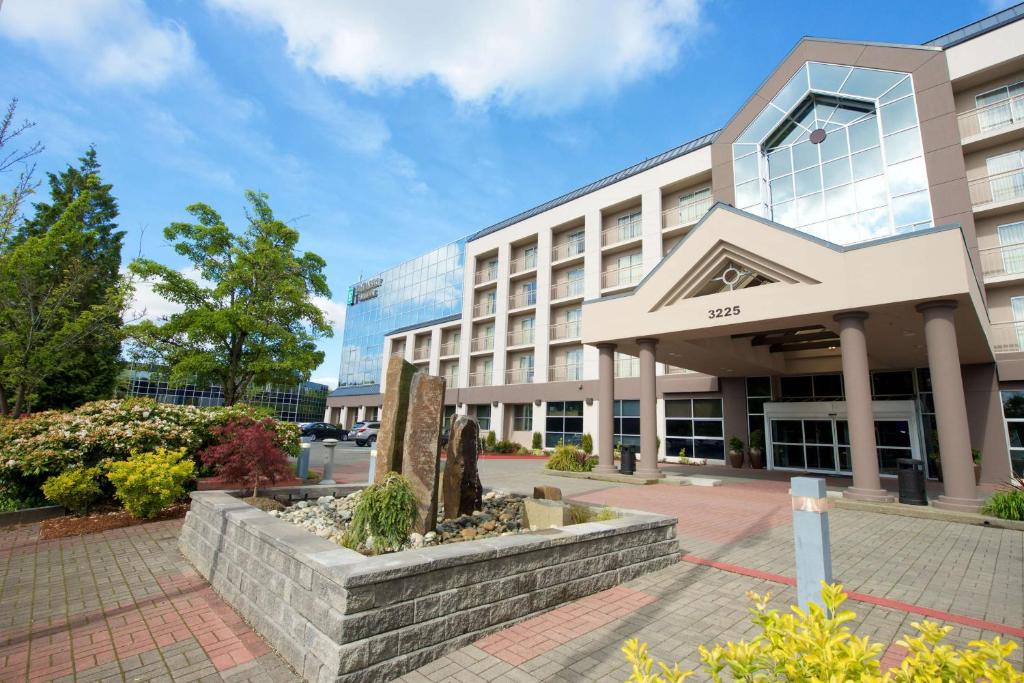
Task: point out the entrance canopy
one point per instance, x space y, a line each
741 296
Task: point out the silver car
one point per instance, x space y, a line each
366 434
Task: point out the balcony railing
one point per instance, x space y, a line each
450 348
519 376
480 379
1008 337
488 274
520 337
620 277
991 117
685 214
482 344
571 372
421 353
522 299
523 263
484 308
567 288
451 379
566 330
1006 259
998 187
564 250
621 233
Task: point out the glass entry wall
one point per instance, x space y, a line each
815 436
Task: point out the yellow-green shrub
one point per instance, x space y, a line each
76 488
569 458
817 645
146 483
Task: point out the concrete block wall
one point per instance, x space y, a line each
336 615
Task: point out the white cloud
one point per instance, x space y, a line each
334 311
545 54
147 304
107 41
330 380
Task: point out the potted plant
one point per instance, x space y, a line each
976 457
757 449
735 452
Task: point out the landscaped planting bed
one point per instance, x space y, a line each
337 614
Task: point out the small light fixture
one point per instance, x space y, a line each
536 402
590 401
494 404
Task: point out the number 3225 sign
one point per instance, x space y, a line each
723 312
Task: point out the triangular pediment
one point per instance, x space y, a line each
728 267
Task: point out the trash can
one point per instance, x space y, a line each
627 459
911 479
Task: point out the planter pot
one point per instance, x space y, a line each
736 459
756 458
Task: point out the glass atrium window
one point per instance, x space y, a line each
836 154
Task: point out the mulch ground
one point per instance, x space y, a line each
79 525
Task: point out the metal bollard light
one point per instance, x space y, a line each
329 444
811 536
302 466
373 467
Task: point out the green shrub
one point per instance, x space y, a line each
537 443
146 483
816 645
490 441
587 443
735 444
581 514
386 511
505 446
568 458
757 439
1007 503
76 489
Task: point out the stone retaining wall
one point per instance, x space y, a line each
336 615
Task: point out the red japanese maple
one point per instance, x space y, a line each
247 451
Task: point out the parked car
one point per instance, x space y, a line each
355 428
366 435
315 431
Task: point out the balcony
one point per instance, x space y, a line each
520 337
451 379
621 234
519 376
488 274
480 379
484 309
567 289
622 277
565 331
450 348
1003 263
1008 337
567 250
571 372
522 300
523 264
482 344
989 122
421 353
997 192
685 215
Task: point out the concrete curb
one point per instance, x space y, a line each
617 478
30 515
926 512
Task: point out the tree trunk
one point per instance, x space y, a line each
19 401
4 409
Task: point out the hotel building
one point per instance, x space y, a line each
839 269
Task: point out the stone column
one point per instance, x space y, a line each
950 408
421 451
648 466
606 409
859 413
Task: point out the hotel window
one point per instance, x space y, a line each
626 365
629 226
483 417
759 392
1013 412
1006 176
449 411
1000 107
811 388
575 279
573 320
530 257
522 417
529 291
492 268
1017 308
564 423
926 405
574 364
896 385
836 154
1011 239
695 426
627 423
525 368
576 242
693 205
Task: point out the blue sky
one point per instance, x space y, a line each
381 130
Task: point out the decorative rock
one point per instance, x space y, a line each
469 533
462 488
547 493
391 437
421 452
544 514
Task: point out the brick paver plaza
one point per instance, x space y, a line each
125 605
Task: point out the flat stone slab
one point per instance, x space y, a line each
617 478
926 512
693 481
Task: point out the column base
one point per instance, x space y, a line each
602 469
945 502
870 495
656 474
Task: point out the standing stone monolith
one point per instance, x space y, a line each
421 451
462 490
391 437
